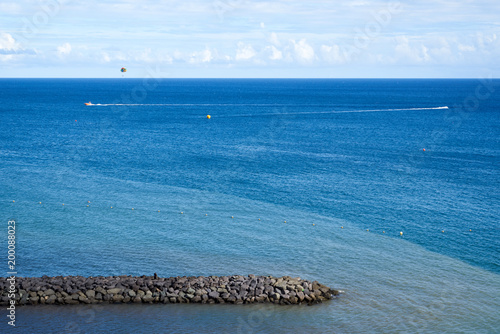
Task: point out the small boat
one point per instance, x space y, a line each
88 103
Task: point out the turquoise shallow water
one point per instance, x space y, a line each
318 154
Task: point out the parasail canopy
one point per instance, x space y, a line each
123 69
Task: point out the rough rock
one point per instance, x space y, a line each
234 289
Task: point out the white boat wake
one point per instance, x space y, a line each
262 105
341 111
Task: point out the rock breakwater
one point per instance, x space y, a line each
63 290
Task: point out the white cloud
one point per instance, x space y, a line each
407 52
275 54
332 54
105 57
8 43
304 53
245 52
165 58
447 51
425 53
273 38
111 56
177 55
11 50
442 54
149 55
198 57
64 50
485 41
466 48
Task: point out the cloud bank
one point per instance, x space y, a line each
348 38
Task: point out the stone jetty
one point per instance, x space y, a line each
62 290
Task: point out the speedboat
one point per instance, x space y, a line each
88 103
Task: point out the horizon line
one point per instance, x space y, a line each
258 78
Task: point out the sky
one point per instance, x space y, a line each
250 38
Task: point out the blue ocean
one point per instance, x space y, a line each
388 190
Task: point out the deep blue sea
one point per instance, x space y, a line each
386 189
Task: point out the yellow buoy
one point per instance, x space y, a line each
132 208
367 230
442 231
232 217
158 210
314 224
470 230
13 201
87 205
63 203
182 213
401 233
39 202
383 231
208 116
259 218
111 207
341 226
